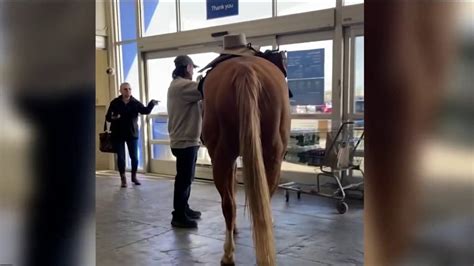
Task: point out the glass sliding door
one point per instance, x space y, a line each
353 95
159 66
358 74
310 77
158 74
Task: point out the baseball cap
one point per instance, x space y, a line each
183 60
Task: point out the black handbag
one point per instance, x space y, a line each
106 143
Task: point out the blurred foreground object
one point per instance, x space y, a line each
416 214
48 68
15 179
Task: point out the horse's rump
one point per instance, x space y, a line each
246 112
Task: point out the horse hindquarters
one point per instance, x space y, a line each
248 89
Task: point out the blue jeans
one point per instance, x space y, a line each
132 145
185 169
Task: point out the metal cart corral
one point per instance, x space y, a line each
336 160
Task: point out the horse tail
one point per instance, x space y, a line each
248 89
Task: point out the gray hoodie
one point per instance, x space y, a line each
184 113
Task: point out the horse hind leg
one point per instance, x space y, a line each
229 247
273 170
234 173
224 179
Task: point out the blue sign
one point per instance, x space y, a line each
307 91
306 64
306 76
222 8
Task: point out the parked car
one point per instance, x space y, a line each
327 108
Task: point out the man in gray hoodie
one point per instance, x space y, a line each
184 127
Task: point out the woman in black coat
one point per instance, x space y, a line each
123 116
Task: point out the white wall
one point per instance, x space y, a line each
104 161
100 18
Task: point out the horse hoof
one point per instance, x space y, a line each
227 264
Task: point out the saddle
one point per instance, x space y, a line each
277 57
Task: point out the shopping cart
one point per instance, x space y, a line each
335 161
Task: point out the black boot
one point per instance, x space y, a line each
123 178
135 180
182 221
193 214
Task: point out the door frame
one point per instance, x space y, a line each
348 94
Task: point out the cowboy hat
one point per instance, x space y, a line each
236 44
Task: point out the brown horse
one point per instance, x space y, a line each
246 113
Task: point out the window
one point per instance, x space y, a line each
159 17
202 59
306 134
352 2
127 20
287 7
160 128
359 75
310 76
319 127
129 64
159 76
264 48
159 72
194 13
162 152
